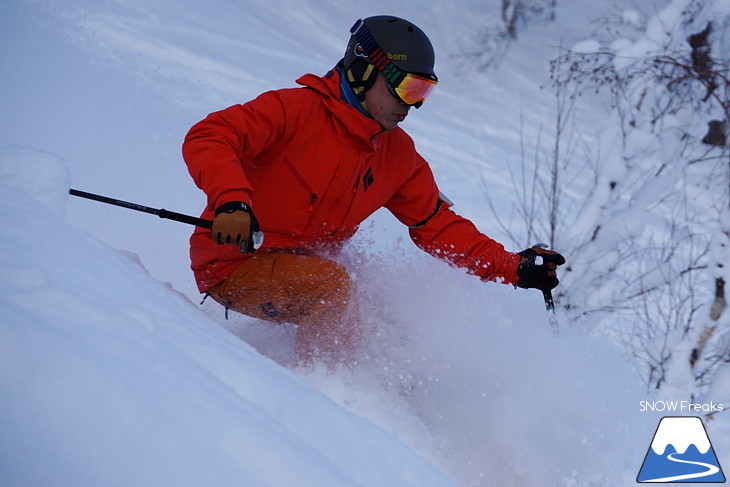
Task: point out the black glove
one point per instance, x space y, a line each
235 224
542 275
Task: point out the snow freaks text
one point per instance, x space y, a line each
680 407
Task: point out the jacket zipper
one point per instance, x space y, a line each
372 140
303 182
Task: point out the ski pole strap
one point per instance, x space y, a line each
162 213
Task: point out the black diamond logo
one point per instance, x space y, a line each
368 179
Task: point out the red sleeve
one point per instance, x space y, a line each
456 240
446 235
216 149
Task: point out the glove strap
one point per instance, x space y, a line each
232 206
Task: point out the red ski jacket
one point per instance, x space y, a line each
312 168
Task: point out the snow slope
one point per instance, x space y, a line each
109 378
111 373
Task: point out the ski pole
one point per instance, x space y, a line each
550 306
162 213
547 295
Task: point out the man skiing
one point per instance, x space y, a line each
290 175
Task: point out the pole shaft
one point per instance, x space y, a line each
550 306
162 213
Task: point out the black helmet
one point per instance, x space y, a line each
404 44
382 41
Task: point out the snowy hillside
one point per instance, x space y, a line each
110 378
112 373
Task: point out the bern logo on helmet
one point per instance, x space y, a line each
397 57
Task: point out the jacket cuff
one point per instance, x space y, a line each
511 276
241 195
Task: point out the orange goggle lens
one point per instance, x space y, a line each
414 89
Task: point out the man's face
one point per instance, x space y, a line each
384 107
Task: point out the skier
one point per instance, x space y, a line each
290 175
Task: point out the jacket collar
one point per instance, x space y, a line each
329 87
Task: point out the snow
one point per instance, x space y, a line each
135 387
586 47
20 167
112 373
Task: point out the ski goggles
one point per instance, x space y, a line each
411 88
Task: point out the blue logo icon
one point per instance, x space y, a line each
680 452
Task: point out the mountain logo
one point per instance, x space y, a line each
680 452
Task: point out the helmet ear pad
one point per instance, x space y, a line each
361 76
